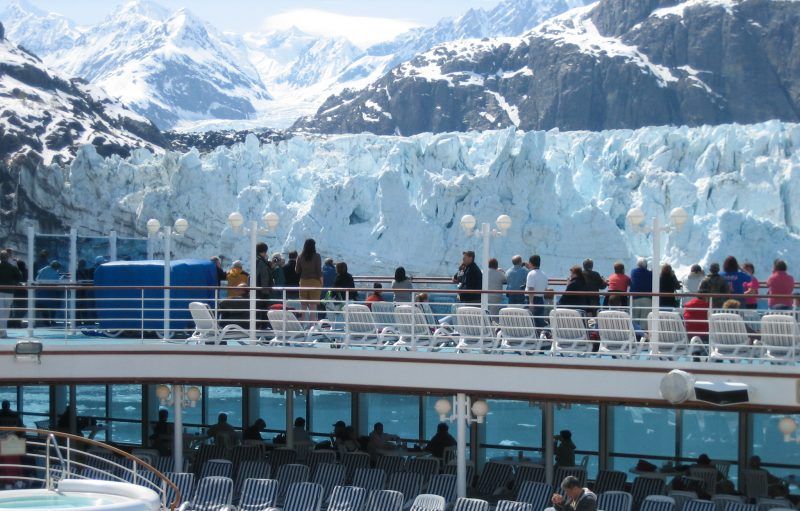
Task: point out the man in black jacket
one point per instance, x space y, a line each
263 271
10 277
595 283
578 497
469 277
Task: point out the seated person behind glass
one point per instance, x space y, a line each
441 440
254 431
380 441
222 432
564 449
162 433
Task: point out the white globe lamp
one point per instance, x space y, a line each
153 226
503 223
480 409
271 219
181 225
679 217
468 223
235 220
635 217
443 408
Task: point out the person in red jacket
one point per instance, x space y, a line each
695 314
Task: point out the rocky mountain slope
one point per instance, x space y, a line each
613 64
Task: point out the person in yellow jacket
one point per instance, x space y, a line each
236 277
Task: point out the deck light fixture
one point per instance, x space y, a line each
464 413
28 350
787 425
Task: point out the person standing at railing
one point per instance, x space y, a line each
402 285
469 278
515 281
308 268
751 288
695 314
263 275
715 284
278 278
497 279
780 283
344 280
291 276
736 278
618 282
692 281
11 277
641 282
375 296
594 283
576 283
668 283
536 285
328 273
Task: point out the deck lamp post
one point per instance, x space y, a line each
788 426
179 398
154 230
636 218
236 221
463 414
468 223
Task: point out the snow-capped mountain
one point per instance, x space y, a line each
613 64
40 32
47 118
167 66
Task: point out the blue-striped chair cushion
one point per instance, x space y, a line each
699 505
510 505
208 452
610 480
537 494
644 486
615 501
428 502
426 467
451 469
494 477
316 458
282 456
562 472
185 483
738 506
443 485
258 494
534 473
385 500
218 468
212 493
303 497
390 464
370 479
243 453
465 504
406 483
352 461
289 475
329 475
251 470
657 503
347 498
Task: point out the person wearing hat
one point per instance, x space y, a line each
278 276
235 277
469 277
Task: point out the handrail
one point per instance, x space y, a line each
94 443
48 476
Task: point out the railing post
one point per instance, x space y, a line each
141 312
73 279
167 278
284 334
461 444
253 276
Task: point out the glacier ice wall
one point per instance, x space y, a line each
378 202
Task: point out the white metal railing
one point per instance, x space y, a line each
51 456
619 325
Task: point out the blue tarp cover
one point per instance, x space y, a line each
133 309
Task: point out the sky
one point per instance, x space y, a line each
363 21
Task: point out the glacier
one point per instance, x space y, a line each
377 202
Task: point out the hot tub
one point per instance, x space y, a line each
83 495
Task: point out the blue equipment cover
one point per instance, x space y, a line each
135 308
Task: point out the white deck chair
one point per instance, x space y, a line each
778 335
206 328
617 336
475 330
428 502
518 331
727 337
290 332
569 332
413 328
673 340
360 327
383 314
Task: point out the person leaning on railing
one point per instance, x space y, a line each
780 283
641 282
309 271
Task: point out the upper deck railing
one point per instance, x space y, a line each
431 318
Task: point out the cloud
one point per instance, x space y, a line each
362 31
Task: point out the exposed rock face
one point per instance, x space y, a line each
614 64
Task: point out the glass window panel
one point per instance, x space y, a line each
9 393
126 432
398 413
272 408
768 441
327 407
584 423
35 404
91 404
643 431
126 402
710 432
224 400
513 423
